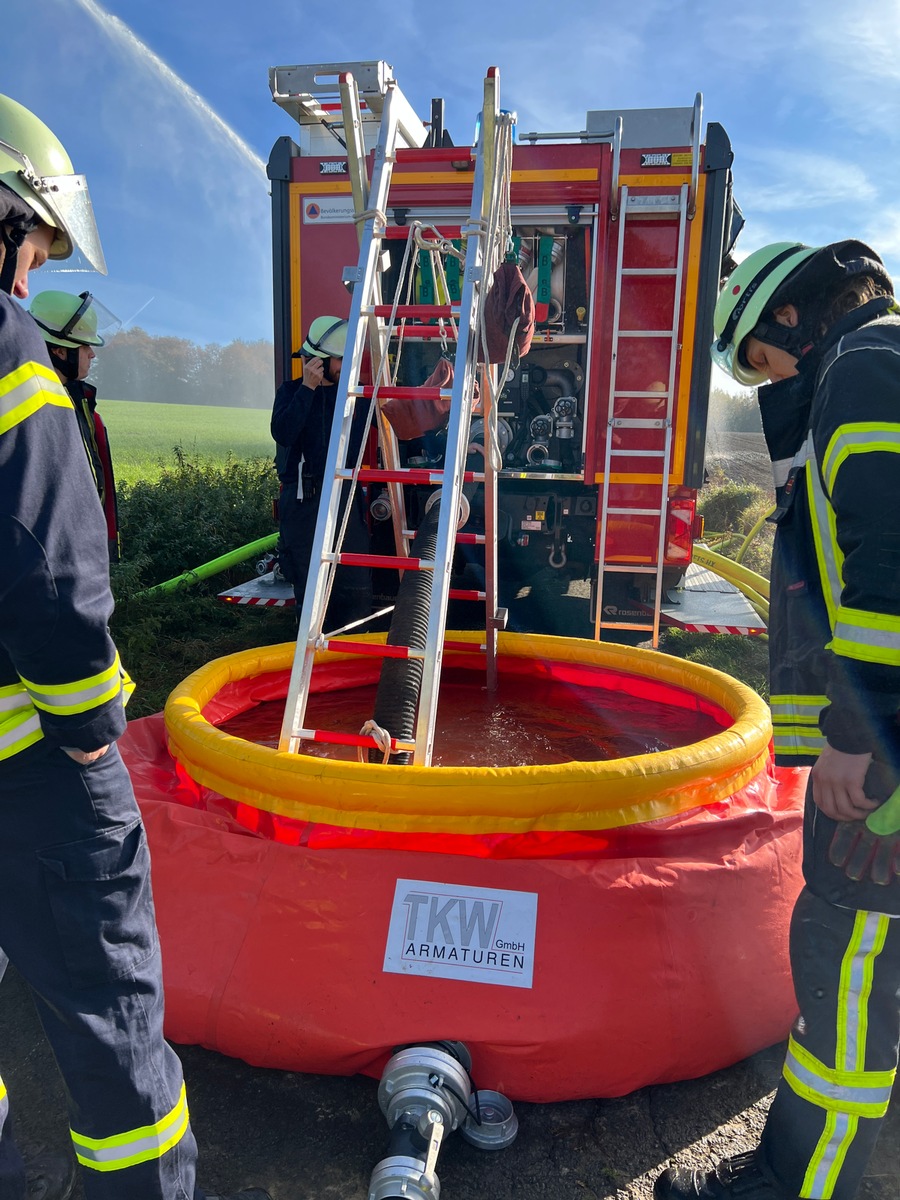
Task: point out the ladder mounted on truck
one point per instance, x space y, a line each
639 424
370 328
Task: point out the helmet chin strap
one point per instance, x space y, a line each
67 366
12 237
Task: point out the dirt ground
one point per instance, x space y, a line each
312 1137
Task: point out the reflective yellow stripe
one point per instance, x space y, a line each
857 968
2 1091
65 699
857 439
18 730
867 636
829 557
26 390
801 708
866 1093
137 1145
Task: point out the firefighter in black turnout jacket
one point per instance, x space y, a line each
821 326
70 328
301 428
76 913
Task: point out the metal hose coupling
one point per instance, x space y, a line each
425 1093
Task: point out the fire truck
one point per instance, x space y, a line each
621 230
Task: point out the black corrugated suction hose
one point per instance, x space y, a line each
397 697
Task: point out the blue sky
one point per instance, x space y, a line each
166 107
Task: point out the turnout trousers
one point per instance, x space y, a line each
77 921
842 1055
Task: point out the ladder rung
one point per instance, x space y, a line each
625 625
634 512
348 739
389 392
463 594
470 539
407 475
451 154
397 233
383 560
635 453
637 333
373 649
641 395
649 271
625 569
466 647
421 311
639 422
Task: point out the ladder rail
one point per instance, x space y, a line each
314 600
471 307
667 423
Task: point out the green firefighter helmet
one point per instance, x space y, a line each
747 294
67 320
35 165
326 338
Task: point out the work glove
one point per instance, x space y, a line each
860 853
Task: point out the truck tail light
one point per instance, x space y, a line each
680 523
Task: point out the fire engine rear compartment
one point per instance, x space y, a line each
624 279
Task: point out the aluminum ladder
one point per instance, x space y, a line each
367 326
626 435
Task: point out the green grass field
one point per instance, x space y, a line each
144 437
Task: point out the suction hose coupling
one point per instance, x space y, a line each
426 1093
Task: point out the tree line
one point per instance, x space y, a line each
134 365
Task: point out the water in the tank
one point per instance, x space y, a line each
529 721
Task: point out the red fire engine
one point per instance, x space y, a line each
621 229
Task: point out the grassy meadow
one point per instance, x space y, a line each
143 437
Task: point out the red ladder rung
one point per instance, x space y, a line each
470 539
386 561
422 312
373 649
465 594
397 233
389 392
348 739
466 647
410 475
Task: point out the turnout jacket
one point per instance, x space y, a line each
96 445
60 678
835 618
301 427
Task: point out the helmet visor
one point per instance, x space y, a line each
731 362
69 202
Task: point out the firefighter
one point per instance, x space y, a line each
821 326
69 326
301 427
76 913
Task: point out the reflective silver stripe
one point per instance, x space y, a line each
857 967
124 1150
18 731
831 1091
78 696
27 389
781 470
801 740
14 697
870 637
802 709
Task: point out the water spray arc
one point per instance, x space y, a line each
127 39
